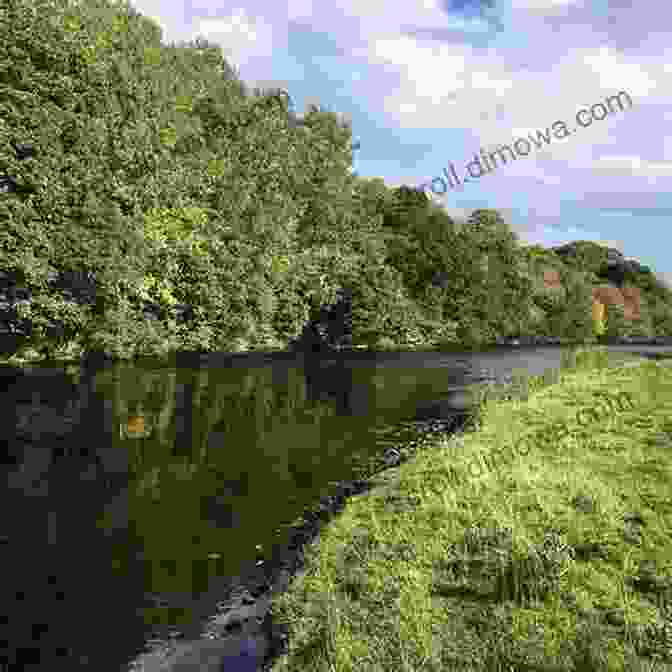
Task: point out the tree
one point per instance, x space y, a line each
408 207
499 290
146 125
579 302
599 323
615 324
661 317
156 171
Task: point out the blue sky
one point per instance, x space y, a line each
428 83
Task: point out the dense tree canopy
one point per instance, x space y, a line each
152 169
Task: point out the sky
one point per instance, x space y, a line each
430 83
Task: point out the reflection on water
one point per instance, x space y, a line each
136 492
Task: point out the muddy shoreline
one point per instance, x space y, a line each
243 636
244 622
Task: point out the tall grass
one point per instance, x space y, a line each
474 555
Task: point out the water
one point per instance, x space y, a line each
133 495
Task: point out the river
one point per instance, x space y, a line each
140 498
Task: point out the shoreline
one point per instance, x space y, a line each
245 622
288 573
247 616
72 355
430 573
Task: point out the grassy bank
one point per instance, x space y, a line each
478 554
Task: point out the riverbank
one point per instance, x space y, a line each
73 354
476 554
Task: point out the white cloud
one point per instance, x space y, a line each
240 35
541 5
616 74
299 9
634 165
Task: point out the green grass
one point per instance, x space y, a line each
557 559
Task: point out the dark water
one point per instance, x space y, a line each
133 494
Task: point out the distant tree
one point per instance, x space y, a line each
616 325
599 322
374 197
579 301
407 207
500 291
661 317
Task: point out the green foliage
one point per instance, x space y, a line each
579 306
536 251
498 290
374 198
381 305
661 317
586 255
641 327
407 206
599 325
156 170
615 323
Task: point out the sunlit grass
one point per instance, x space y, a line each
474 556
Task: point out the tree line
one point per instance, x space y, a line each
153 169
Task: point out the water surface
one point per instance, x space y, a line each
135 494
